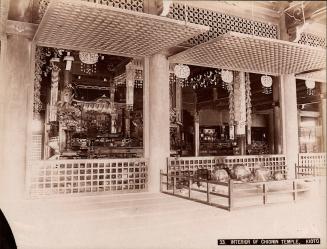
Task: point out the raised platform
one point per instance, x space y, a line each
153 220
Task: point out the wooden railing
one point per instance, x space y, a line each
311 164
228 195
58 177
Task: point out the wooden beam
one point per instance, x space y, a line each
21 28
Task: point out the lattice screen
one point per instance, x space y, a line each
135 5
36 151
312 40
311 164
56 177
220 23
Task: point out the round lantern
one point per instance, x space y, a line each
266 81
88 58
227 76
310 84
182 71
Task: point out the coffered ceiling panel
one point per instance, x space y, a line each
254 54
80 25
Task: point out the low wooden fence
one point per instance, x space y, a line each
59 177
178 165
227 195
311 164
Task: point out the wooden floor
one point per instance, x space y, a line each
154 220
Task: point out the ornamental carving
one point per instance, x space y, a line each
69 115
39 62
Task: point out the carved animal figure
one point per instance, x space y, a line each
278 176
220 175
241 173
262 174
202 175
183 183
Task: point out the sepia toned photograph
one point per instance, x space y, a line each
162 124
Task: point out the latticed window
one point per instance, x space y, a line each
220 23
135 5
312 40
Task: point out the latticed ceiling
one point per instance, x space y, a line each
254 54
87 26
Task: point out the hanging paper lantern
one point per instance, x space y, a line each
227 76
310 84
182 71
88 58
266 82
89 61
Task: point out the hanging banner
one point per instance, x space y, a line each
54 93
231 132
130 77
249 135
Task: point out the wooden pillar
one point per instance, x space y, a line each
15 88
196 134
127 123
323 111
130 79
277 114
146 108
288 112
159 144
271 135
290 115
65 97
114 116
179 108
